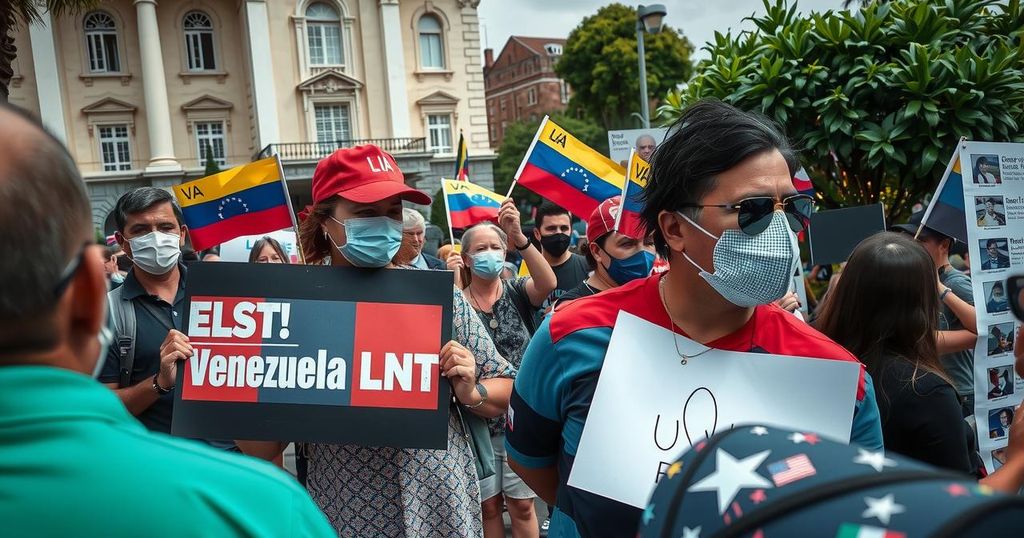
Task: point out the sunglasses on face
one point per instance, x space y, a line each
755 214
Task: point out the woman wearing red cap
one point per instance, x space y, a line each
507 309
614 257
356 220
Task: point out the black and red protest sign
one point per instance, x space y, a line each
315 354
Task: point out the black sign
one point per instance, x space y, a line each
836 232
315 354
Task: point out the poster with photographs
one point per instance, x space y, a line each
994 203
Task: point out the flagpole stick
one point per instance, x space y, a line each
625 189
526 157
942 183
447 214
291 210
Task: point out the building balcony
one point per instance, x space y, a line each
314 151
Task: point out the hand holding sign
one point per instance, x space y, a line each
175 347
459 365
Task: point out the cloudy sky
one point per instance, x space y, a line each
556 18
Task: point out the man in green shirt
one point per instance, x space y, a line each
73 461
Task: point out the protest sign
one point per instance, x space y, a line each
315 353
620 142
237 250
648 409
836 232
993 191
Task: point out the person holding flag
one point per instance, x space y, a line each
723 210
615 257
356 221
506 308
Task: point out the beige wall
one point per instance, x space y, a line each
462 77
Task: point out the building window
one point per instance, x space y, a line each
332 123
553 49
439 126
503 104
531 96
114 151
101 42
431 52
494 132
323 27
199 42
504 125
210 134
564 91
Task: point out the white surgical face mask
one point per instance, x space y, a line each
752 270
156 252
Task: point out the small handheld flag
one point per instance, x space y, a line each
568 172
469 204
462 160
629 221
245 200
946 212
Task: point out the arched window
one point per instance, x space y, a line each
101 42
323 28
199 42
431 44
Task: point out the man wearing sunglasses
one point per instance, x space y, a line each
74 462
724 213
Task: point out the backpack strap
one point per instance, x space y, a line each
122 313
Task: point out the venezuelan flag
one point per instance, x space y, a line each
245 200
462 160
803 183
568 172
469 204
946 212
629 221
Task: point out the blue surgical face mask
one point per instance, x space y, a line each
489 264
626 270
370 241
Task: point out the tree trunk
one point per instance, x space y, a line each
7 51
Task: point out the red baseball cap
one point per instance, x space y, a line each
363 174
602 220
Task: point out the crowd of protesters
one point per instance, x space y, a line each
720 211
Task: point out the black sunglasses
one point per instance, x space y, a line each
755 214
69 272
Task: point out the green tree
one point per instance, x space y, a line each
211 163
876 96
599 62
438 213
516 142
13 14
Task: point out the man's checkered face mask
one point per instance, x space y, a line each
752 270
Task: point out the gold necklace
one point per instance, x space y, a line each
683 357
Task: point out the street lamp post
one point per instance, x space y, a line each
648 19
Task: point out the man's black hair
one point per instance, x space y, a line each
992 243
710 137
548 209
140 200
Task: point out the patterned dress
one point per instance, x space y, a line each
380 491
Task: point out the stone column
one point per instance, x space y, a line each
48 82
154 87
394 60
264 95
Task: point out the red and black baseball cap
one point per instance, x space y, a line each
363 174
602 220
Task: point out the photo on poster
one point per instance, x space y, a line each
985 170
999 457
1000 339
995 297
999 421
991 211
995 253
1000 381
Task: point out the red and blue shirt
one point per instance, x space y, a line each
559 373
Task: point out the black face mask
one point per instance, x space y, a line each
555 244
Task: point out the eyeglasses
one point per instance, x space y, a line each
755 214
69 272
